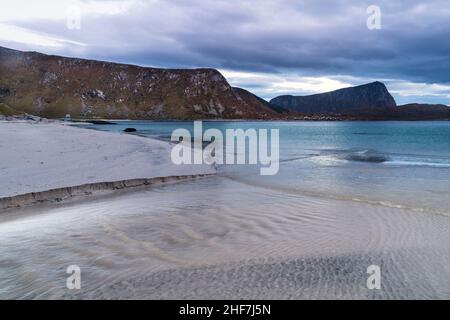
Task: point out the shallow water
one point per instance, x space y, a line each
309 232
216 238
403 164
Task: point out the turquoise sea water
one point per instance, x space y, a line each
400 164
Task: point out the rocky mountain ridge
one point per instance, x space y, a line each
53 86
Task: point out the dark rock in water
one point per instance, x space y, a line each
365 99
100 122
130 130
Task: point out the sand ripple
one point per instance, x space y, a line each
223 239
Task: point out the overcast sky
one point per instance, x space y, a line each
268 47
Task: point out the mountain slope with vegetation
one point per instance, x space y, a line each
53 86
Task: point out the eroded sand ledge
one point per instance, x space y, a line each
92 189
54 162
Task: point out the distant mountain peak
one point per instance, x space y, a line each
367 98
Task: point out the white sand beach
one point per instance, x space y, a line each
37 157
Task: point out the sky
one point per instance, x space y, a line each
271 48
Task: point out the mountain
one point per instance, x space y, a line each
254 99
53 86
7 111
370 101
416 111
367 99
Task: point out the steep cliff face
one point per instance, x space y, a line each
52 86
370 98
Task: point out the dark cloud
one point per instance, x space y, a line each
311 38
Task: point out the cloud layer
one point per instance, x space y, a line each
270 47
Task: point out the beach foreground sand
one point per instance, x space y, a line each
216 238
